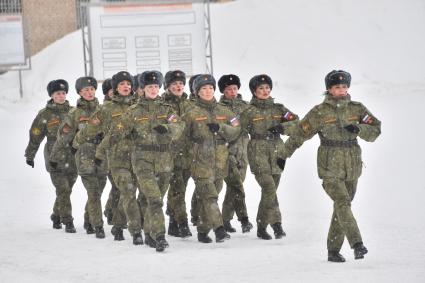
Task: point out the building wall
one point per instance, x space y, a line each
47 21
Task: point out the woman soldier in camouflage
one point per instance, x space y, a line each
264 121
92 175
153 126
63 177
209 127
338 121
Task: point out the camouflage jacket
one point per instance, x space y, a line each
46 124
239 147
105 118
338 156
263 146
181 148
150 147
76 120
210 152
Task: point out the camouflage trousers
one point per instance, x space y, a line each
153 188
206 206
176 203
343 223
63 183
268 209
234 200
128 209
113 199
94 185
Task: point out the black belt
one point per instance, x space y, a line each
268 136
333 143
153 147
216 141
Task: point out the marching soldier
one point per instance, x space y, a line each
153 126
264 120
234 200
46 124
176 204
209 127
338 121
92 175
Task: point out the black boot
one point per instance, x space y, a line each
359 251
203 238
262 234
228 227
137 239
56 221
69 227
173 228
221 235
194 220
161 243
149 241
89 228
118 233
100 233
335 257
184 230
246 225
108 214
278 231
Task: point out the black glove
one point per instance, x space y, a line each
352 128
98 161
161 129
30 163
281 163
73 150
53 164
278 129
214 127
98 138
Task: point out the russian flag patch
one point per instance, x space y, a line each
234 121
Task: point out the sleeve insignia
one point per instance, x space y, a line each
234 122
172 118
94 121
36 131
306 127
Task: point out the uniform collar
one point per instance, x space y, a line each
209 105
168 96
88 105
58 107
262 103
336 102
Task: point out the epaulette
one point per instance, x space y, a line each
356 102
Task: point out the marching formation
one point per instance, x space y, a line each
150 144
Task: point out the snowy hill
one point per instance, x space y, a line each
297 42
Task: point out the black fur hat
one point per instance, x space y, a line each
150 77
135 82
201 80
119 77
57 85
259 80
83 82
173 76
227 80
337 77
106 86
191 80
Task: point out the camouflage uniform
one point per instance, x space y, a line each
63 177
92 175
118 159
262 153
234 200
339 161
210 157
151 156
176 204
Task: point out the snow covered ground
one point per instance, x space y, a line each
297 43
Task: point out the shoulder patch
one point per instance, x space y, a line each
36 131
